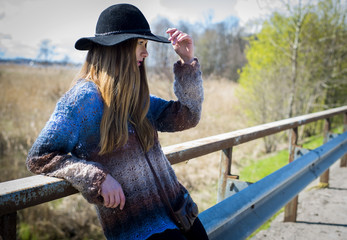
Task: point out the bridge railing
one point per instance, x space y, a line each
239 215
27 192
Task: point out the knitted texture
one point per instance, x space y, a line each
68 147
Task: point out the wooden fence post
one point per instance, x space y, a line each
343 161
324 178
224 172
290 210
8 226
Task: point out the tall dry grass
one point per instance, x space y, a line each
27 98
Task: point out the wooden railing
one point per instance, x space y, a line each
27 192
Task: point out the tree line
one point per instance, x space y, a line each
219 46
296 64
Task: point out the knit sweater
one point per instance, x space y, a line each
68 147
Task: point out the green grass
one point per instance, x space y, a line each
258 169
264 166
313 142
26 233
316 141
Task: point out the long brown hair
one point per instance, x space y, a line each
124 89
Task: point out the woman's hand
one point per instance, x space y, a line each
112 193
183 44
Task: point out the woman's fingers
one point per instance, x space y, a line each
106 200
182 44
114 199
171 30
122 200
174 34
115 202
183 37
112 193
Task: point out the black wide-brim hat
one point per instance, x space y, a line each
117 24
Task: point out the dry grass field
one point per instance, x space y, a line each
27 98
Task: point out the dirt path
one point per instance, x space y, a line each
322 213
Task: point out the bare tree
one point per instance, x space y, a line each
294 45
162 54
46 51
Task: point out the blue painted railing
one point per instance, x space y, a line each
240 215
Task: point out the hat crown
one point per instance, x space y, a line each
117 24
121 18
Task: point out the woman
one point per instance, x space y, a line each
102 127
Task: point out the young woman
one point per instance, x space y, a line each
102 127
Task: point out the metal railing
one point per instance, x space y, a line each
22 193
240 215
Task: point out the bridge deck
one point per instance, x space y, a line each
322 213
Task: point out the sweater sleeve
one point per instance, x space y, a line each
184 113
58 151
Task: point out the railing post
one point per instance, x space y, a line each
8 226
224 172
290 210
343 161
324 178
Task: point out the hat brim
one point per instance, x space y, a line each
111 40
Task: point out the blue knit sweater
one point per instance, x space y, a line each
68 148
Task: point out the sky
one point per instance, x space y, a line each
24 24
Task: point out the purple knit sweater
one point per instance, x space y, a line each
68 148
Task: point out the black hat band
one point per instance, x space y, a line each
123 31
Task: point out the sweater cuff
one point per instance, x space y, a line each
195 64
188 85
93 195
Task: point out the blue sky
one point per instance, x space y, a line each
25 23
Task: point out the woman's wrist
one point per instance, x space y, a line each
187 60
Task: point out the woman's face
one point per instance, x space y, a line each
141 51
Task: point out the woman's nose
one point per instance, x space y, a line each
144 53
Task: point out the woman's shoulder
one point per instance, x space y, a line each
84 90
83 95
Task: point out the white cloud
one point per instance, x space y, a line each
194 11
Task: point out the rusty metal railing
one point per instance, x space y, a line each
27 192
